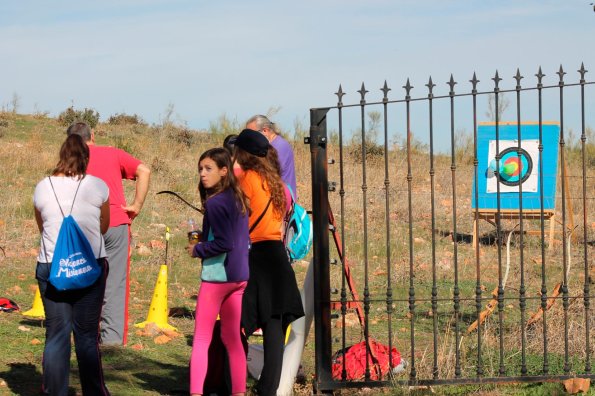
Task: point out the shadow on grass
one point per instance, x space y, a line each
489 238
22 379
125 368
181 312
32 322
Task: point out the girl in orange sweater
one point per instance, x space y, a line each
272 298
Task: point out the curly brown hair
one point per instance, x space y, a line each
268 169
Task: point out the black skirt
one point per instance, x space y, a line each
272 289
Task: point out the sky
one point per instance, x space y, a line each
239 58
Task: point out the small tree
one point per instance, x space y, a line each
373 149
16 102
125 119
70 116
503 104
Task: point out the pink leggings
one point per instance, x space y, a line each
224 299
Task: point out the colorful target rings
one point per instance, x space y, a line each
515 166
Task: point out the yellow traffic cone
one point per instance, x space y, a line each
37 310
158 310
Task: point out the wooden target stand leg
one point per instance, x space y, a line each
490 217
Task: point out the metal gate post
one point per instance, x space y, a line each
322 313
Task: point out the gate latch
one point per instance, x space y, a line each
321 140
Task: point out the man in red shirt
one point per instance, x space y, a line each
112 165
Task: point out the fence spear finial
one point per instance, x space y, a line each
539 76
385 90
363 93
407 87
474 82
430 86
497 80
340 95
561 73
582 71
451 83
518 78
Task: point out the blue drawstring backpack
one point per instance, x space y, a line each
297 235
74 265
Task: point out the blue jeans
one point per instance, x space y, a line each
70 311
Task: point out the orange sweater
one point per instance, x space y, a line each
269 227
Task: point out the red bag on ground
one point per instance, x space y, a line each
355 361
7 305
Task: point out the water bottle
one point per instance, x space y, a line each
193 233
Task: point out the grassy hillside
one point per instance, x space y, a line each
29 149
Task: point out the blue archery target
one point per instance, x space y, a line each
502 183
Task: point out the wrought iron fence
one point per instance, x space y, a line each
405 221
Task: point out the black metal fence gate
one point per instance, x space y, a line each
403 238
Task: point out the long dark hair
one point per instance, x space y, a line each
268 169
222 159
74 157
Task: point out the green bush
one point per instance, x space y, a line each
125 119
70 116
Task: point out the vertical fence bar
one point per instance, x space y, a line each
586 286
413 371
340 95
561 73
540 76
453 173
389 288
362 103
502 369
478 292
320 248
431 86
522 290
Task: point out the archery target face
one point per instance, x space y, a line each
515 171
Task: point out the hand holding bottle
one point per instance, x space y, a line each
193 233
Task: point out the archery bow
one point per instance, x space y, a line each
180 197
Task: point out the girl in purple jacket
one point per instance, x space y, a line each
223 248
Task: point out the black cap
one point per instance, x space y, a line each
253 142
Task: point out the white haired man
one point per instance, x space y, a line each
284 150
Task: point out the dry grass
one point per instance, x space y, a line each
367 220
29 150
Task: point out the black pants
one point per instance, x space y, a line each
66 312
273 339
271 301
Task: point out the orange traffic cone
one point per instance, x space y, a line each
36 310
158 309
